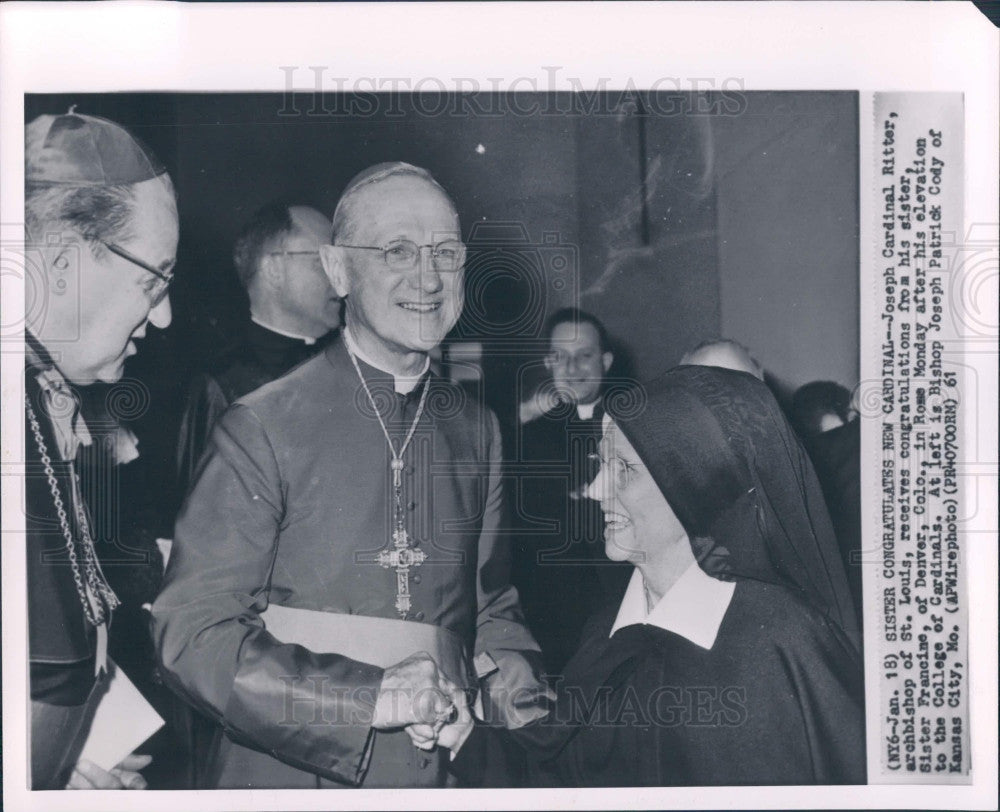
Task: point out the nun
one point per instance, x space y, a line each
733 655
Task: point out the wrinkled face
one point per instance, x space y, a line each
308 299
639 524
401 311
576 362
105 299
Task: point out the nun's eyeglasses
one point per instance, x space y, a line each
403 255
159 289
623 473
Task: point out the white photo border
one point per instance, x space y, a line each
151 46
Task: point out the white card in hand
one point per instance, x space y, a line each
123 721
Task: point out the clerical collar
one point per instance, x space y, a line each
693 607
403 384
585 411
307 340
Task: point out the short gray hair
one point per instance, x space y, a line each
343 223
98 213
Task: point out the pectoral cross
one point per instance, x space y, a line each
401 558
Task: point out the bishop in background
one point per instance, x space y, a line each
347 518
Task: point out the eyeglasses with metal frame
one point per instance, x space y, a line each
447 256
159 291
622 471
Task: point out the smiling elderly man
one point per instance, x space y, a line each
345 520
101 227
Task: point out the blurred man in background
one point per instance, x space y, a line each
293 314
557 568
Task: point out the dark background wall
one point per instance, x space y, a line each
673 218
786 201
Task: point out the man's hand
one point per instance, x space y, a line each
87 775
451 733
412 693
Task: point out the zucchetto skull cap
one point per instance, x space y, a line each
79 150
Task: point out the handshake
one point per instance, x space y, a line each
416 696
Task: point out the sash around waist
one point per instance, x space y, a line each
375 640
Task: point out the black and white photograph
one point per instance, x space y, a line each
537 437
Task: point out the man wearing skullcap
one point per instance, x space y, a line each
344 523
293 313
101 239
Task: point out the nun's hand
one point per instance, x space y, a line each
453 735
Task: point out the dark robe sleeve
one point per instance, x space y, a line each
206 403
310 710
545 744
507 658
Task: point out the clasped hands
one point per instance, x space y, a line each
417 697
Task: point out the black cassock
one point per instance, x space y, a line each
259 358
777 700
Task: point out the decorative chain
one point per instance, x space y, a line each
397 459
95 613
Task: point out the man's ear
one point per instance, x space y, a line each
607 359
335 268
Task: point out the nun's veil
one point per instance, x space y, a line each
723 455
